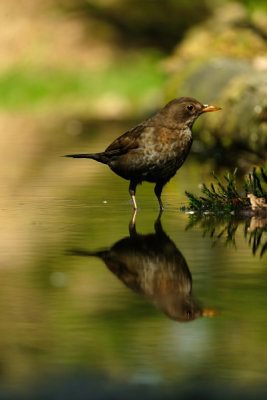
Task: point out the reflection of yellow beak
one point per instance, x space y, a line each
209 312
207 108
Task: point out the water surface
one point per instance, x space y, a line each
86 289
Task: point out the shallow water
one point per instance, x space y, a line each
128 312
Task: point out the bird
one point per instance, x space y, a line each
152 266
156 148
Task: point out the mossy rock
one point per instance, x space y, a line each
223 62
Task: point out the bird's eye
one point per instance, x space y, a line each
190 108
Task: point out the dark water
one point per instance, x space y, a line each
85 290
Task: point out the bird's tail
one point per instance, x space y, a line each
100 157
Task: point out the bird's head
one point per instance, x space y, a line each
185 110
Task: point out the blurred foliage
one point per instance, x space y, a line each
225 196
228 32
253 5
123 84
141 23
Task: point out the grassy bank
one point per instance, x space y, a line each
132 83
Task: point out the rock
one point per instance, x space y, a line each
224 62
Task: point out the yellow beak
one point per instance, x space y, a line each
207 108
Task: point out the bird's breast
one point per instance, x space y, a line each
162 145
158 154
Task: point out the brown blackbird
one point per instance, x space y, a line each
155 149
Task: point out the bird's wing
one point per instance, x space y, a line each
125 142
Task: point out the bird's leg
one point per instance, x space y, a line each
132 188
158 190
157 224
132 228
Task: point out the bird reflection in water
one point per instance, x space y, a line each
153 266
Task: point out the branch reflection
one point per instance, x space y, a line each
224 228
